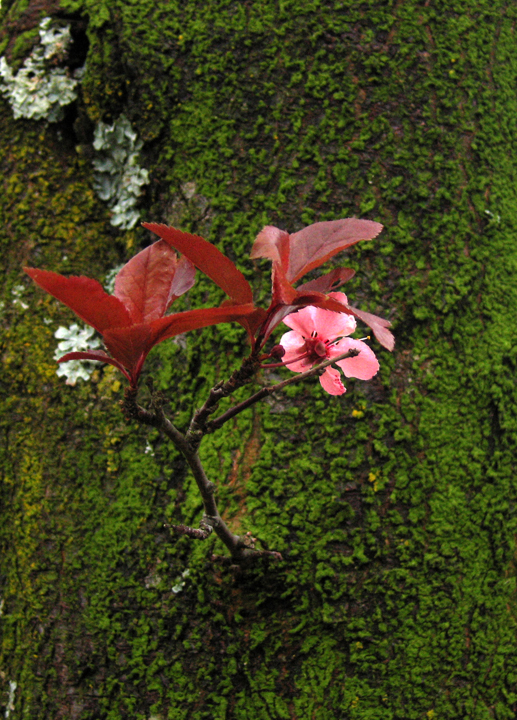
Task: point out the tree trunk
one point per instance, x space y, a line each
393 505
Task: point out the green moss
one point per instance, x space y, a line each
393 505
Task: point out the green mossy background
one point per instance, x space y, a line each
394 506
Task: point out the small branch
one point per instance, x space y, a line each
270 389
200 533
240 377
133 411
237 546
242 549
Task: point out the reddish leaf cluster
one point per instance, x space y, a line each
295 255
133 320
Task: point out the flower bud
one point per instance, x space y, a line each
277 352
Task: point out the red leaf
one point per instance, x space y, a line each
315 244
129 344
282 291
183 280
168 327
151 280
96 355
378 325
272 243
208 259
251 321
86 297
330 281
295 255
278 311
311 247
132 321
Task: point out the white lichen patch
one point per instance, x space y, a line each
119 180
109 280
75 339
40 90
152 580
9 708
180 582
17 293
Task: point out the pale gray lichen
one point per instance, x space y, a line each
17 292
152 580
75 339
9 708
494 219
109 280
180 582
119 179
39 91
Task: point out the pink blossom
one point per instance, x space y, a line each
314 339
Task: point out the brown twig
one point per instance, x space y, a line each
238 546
240 377
270 389
242 548
200 533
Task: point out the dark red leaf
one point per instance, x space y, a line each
315 244
251 322
330 281
208 259
273 244
151 280
133 321
86 297
184 279
378 325
129 344
96 355
168 327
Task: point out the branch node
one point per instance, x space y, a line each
201 533
211 520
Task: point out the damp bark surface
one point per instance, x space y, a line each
393 505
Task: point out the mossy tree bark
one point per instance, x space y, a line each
393 506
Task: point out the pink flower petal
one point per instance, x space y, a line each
331 325
301 321
327 324
294 346
340 297
331 382
364 366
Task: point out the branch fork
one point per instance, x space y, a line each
242 548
